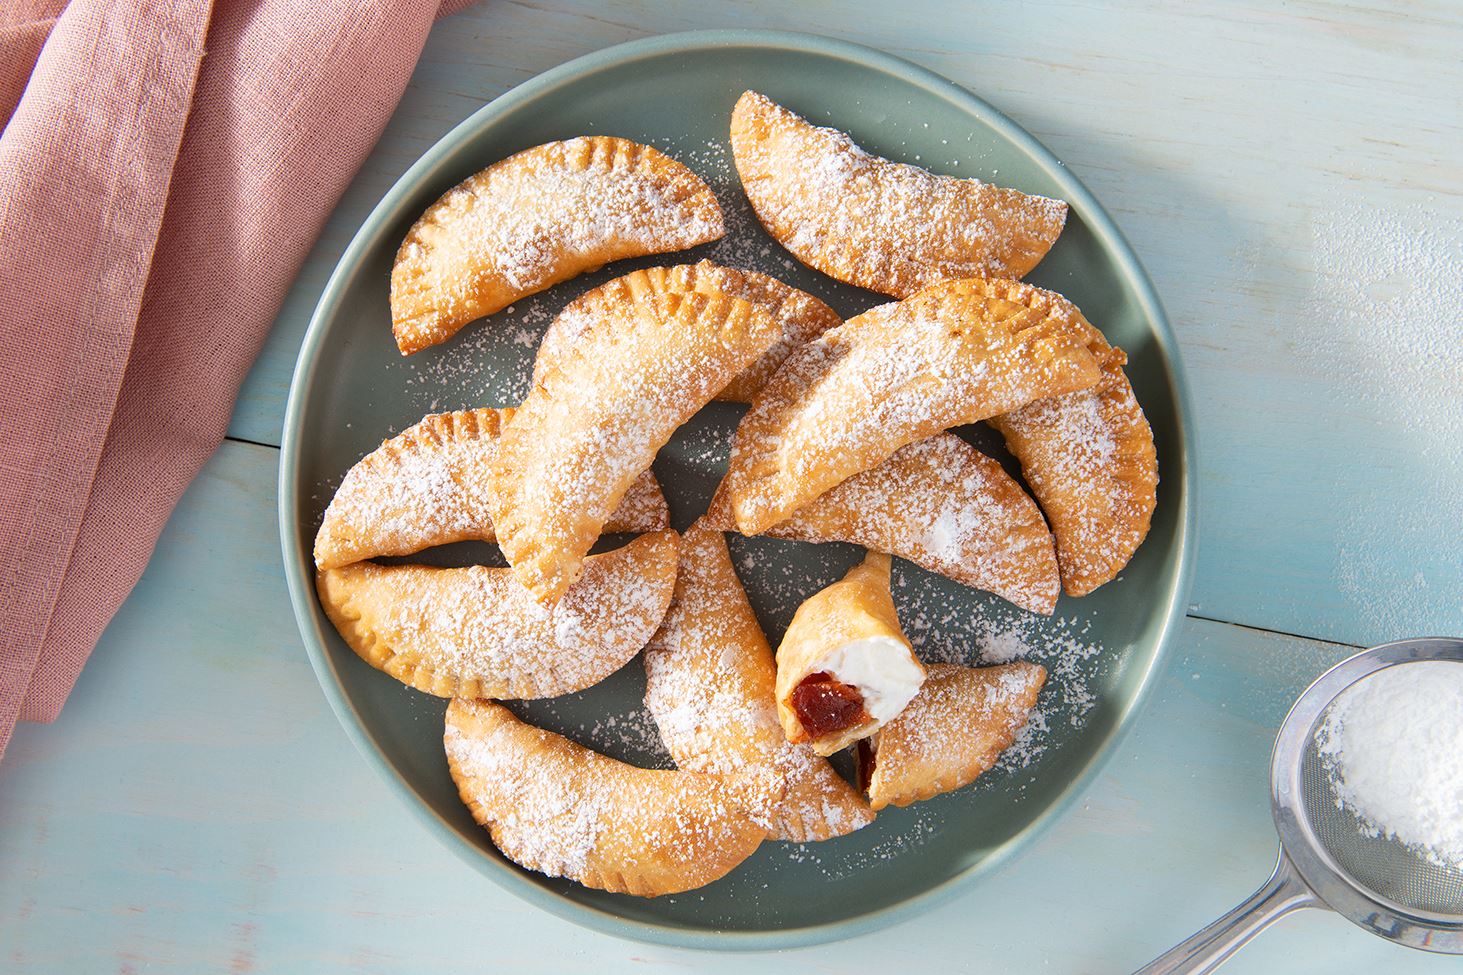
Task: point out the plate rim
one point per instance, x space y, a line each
302 595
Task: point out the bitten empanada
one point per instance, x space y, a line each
537 218
798 314
710 682
886 226
428 486
476 632
1090 461
844 666
944 506
898 373
596 420
953 731
554 806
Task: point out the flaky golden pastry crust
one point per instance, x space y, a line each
857 607
709 683
428 486
953 731
898 373
477 632
1090 461
537 218
600 413
886 226
556 807
798 314
944 506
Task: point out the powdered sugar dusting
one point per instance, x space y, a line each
428 486
421 488
837 865
564 810
535 219
944 505
1090 460
887 226
746 244
710 681
627 733
1382 327
489 364
798 316
947 629
954 729
951 630
554 825
946 623
896 374
609 406
479 624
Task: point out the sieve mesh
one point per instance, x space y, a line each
1379 865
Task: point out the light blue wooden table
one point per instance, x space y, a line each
1290 175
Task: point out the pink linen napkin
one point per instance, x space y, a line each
165 167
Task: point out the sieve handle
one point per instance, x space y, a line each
1204 952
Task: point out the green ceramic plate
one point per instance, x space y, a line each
351 389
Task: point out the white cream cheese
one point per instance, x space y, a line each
883 670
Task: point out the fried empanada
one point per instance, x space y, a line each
886 226
710 682
844 666
554 806
898 373
476 632
537 218
954 730
1090 461
798 314
600 413
944 506
428 486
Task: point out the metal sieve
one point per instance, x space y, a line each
1326 857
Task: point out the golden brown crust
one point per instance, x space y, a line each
556 807
953 731
709 683
857 607
875 223
798 314
1090 461
475 631
954 353
944 506
537 218
600 414
428 486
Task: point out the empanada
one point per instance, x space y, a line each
554 806
944 506
1088 456
886 226
477 632
954 730
600 413
537 218
898 373
844 666
709 684
798 314
428 486
1090 461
